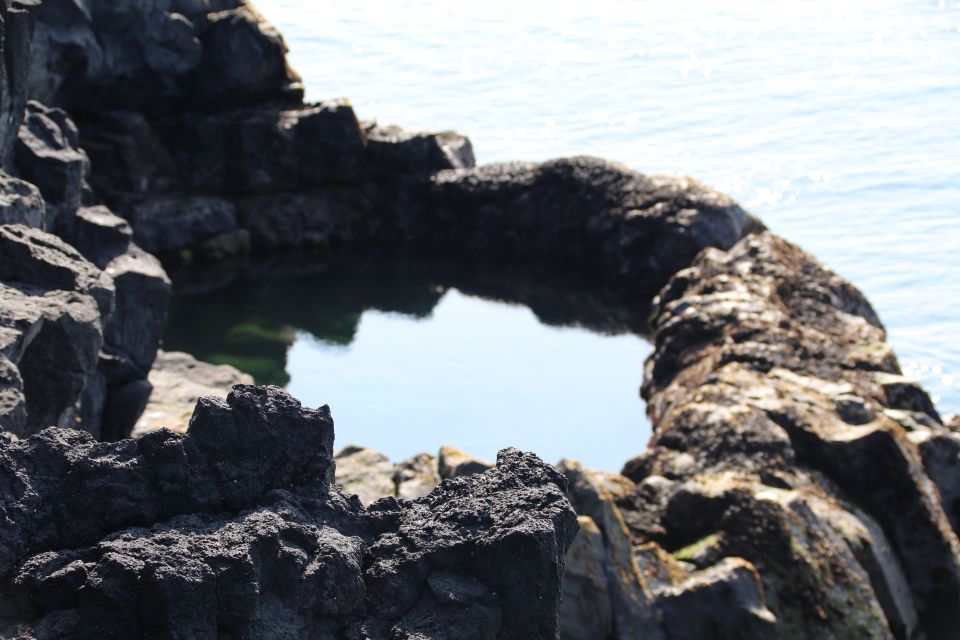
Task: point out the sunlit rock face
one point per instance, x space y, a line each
783 435
796 485
237 529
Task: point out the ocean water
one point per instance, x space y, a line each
836 122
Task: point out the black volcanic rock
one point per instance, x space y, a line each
627 229
92 55
392 149
53 307
100 235
42 261
48 154
797 484
143 293
16 28
173 224
236 530
59 310
21 203
243 60
289 176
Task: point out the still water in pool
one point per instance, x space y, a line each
835 122
411 358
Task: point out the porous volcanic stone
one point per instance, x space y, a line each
237 529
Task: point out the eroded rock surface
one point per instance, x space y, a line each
178 381
54 306
797 484
366 473
83 306
236 529
628 229
785 437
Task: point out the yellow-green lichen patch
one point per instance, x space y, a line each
698 549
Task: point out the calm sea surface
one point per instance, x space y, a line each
838 123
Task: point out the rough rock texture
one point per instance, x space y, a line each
116 396
41 146
143 291
628 229
48 154
236 530
605 594
415 477
723 601
364 472
157 55
392 149
453 463
785 437
796 486
21 203
58 311
53 309
100 235
177 382
16 25
940 450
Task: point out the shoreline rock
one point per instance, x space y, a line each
797 485
244 505
178 381
760 354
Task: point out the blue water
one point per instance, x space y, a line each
414 354
836 122
481 376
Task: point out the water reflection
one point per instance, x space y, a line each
252 321
415 354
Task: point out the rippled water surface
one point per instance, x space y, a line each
837 122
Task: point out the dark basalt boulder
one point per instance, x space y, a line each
728 601
627 229
21 203
393 150
243 61
100 235
157 56
48 154
13 404
175 224
53 308
216 157
61 310
236 530
36 261
940 450
143 293
16 34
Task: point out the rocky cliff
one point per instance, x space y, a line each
797 486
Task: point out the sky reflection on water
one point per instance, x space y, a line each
836 122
